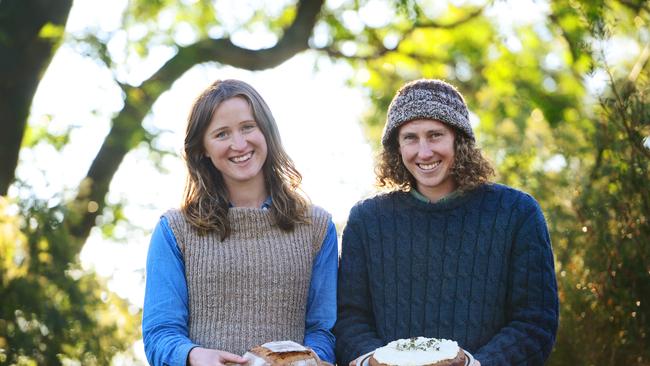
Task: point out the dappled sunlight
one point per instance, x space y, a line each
557 93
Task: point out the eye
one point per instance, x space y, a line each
221 135
408 139
248 127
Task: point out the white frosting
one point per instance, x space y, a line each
394 353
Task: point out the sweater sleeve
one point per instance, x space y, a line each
165 311
355 327
532 302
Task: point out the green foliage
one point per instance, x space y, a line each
606 284
52 31
40 133
585 162
52 310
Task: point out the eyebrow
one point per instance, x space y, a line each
218 129
436 129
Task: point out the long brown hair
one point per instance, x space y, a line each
205 200
469 170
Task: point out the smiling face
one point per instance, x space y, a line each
235 144
427 150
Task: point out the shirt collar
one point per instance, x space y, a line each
414 192
265 205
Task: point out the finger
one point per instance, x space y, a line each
231 357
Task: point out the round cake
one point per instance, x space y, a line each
419 351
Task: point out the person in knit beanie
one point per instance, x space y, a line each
246 260
446 253
433 100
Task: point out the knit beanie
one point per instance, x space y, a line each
427 99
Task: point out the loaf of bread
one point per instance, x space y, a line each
282 353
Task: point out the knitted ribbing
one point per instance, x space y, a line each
477 269
252 287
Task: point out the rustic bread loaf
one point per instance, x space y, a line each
284 353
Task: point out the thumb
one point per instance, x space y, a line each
231 357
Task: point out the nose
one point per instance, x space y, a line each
424 150
238 142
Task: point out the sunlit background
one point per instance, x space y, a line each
317 111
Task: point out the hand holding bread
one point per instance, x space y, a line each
204 356
282 353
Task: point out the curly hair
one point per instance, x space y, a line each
469 170
205 200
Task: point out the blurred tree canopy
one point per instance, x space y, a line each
582 151
584 154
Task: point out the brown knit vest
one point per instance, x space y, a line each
252 287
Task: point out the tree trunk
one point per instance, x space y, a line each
30 32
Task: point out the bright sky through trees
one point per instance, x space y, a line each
317 113
318 118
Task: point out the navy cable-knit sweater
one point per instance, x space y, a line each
476 268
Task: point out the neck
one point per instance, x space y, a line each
434 194
247 194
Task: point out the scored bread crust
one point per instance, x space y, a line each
459 360
291 358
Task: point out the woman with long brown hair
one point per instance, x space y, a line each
246 259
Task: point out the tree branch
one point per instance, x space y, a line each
449 25
573 47
636 7
294 41
381 50
621 100
334 53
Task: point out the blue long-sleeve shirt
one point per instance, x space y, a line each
165 313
